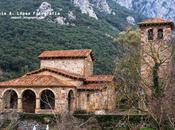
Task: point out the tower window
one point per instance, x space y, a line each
160 34
150 34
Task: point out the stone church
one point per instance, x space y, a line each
65 81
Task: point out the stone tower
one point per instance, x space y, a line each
156 49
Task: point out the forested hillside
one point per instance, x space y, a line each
21 41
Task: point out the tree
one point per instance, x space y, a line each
127 70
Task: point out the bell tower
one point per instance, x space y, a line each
156 49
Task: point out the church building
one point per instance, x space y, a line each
64 83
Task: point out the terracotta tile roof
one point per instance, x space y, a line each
58 71
93 78
100 78
156 21
37 81
82 53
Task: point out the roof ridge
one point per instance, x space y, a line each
76 53
155 20
72 50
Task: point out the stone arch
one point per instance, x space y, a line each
47 99
71 101
36 94
41 90
10 99
28 101
11 89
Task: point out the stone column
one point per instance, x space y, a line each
19 106
37 109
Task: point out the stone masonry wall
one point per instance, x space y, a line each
92 101
88 66
72 65
77 66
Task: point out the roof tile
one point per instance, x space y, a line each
37 81
82 53
156 21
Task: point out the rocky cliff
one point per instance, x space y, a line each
87 6
151 8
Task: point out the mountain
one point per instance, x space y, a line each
151 8
28 27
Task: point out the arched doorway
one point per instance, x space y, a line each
28 101
47 100
10 99
71 101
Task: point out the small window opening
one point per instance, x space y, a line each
160 34
88 97
150 34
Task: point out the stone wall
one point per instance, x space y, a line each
95 100
78 66
167 30
88 66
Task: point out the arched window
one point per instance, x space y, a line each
150 34
47 100
71 101
160 34
10 99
